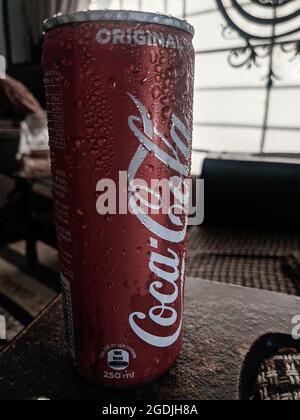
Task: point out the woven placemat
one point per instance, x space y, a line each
279 379
257 259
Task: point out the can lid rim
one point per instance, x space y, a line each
118 16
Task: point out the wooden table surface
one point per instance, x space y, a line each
221 324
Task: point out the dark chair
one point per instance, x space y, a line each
252 194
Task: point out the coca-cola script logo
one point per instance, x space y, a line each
164 314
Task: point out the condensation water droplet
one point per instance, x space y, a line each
166 91
167 83
156 92
150 168
153 57
166 112
101 141
112 84
158 68
139 250
164 100
79 212
87 35
78 144
109 218
90 131
134 68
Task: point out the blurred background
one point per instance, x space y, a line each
246 146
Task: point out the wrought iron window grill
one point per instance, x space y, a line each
280 29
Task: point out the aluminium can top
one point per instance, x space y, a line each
118 16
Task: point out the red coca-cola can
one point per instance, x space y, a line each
119 90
